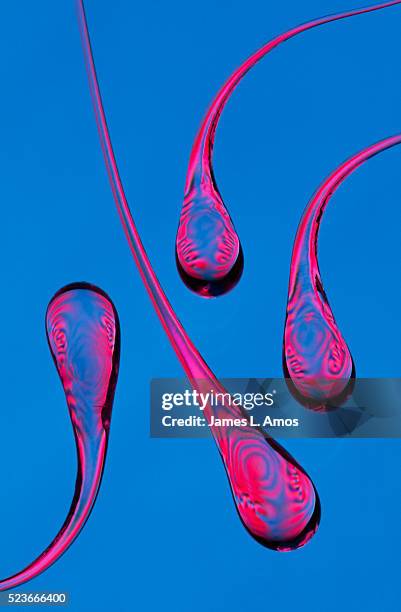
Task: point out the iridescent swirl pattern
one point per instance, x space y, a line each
315 355
208 250
84 339
275 498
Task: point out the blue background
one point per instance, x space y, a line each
164 533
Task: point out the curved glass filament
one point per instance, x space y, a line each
84 338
